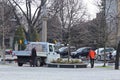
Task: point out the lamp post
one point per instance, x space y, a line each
3 34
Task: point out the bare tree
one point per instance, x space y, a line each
70 12
54 30
9 22
80 35
31 18
106 24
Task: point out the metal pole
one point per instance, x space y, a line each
117 57
3 43
117 37
104 29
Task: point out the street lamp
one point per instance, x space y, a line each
3 38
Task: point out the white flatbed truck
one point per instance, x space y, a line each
45 53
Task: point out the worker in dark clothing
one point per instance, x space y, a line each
92 57
33 57
110 56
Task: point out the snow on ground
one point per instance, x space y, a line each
13 72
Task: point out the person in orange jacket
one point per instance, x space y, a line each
92 57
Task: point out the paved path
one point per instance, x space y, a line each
13 72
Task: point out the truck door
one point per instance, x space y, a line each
51 49
52 54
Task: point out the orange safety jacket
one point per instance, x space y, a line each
92 54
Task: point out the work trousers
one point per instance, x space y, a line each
92 62
33 62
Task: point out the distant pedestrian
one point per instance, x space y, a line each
33 57
110 56
92 57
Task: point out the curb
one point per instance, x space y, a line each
58 65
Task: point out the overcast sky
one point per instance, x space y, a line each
91 7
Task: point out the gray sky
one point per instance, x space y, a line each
91 7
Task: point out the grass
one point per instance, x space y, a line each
103 67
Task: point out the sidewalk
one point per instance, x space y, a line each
13 72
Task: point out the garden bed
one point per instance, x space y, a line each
59 65
64 63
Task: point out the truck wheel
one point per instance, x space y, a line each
20 64
38 63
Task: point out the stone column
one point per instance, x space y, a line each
44 23
44 29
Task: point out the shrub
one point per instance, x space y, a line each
72 61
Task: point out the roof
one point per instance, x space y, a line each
42 43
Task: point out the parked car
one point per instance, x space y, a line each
8 51
84 51
100 52
114 53
63 51
9 56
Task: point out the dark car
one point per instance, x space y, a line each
8 51
63 51
84 51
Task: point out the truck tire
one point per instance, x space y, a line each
20 64
38 62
